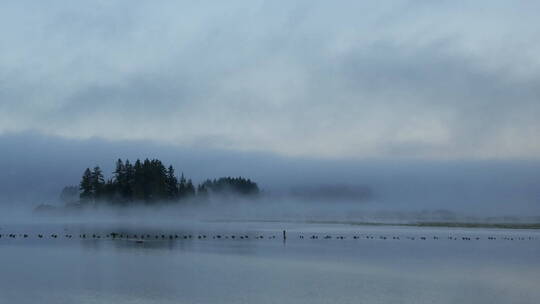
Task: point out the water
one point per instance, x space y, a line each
226 270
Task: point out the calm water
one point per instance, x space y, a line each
226 270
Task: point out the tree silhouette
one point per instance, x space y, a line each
98 183
172 184
230 185
149 181
190 189
86 186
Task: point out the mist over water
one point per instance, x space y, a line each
291 186
319 152
300 270
232 251
311 199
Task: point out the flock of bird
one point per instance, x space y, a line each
147 237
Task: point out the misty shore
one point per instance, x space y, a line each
508 225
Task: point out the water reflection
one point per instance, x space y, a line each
375 267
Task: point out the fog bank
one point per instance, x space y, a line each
37 167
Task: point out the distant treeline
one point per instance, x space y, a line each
150 181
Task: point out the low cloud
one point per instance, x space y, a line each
303 79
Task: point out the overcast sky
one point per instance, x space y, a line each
322 79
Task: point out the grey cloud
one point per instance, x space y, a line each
399 79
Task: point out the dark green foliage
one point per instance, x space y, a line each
138 181
150 181
92 185
190 189
182 185
86 186
235 185
98 183
172 184
129 172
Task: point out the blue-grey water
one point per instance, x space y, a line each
369 265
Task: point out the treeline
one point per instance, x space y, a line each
224 185
150 181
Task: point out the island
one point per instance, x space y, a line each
150 182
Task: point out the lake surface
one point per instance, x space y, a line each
369 265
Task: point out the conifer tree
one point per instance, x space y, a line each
127 191
120 173
151 182
86 186
138 181
172 184
98 182
190 189
182 187
159 181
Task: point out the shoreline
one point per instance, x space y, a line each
415 224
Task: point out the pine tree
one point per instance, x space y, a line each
110 192
159 181
127 191
138 181
151 182
146 176
120 173
86 186
182 190
172 184
98 182
190 189
238 185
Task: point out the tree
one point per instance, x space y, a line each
172 184
127 191
110 193
120 173
98 182
138 181
230 185
151 182
182 190
158 181
86 186
190 189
